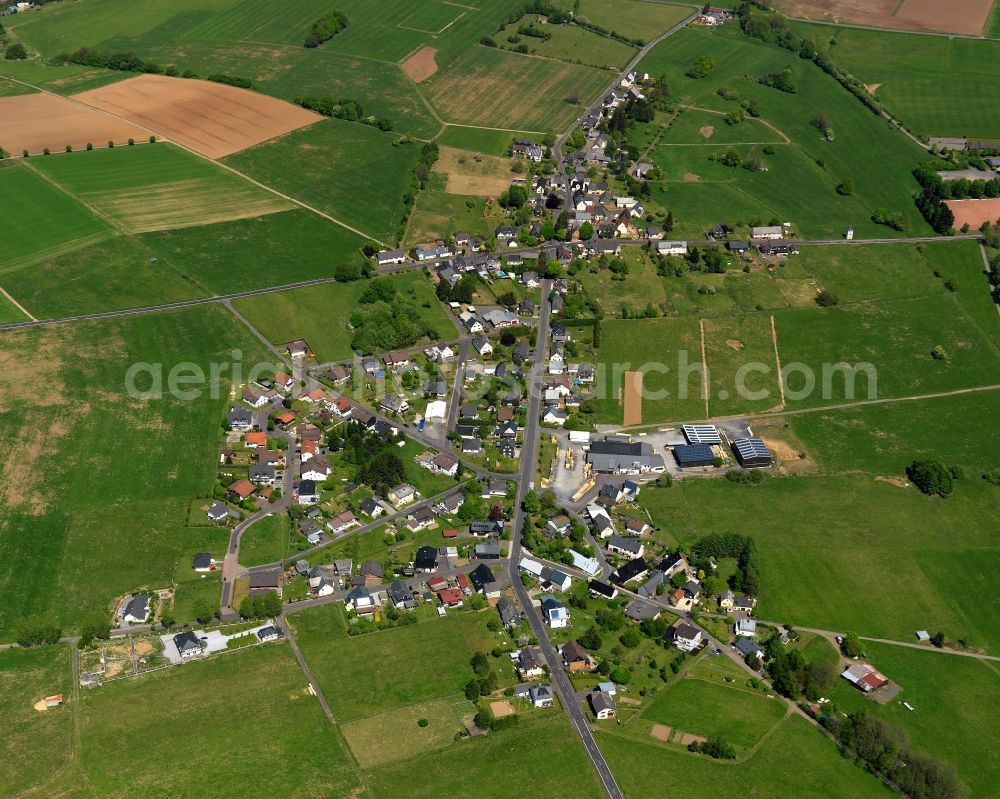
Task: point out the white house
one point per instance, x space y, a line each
672 247
555 613
767 232
745 628
686 637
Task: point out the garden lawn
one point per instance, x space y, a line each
392 668
108 276
48 223
265 541
953 698
320 314
101 475
740 716
257 253
796 761
353 172
35 744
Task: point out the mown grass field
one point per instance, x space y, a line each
570 43
936 85
157 187
741 717
9 312
477 140
58 78
953 699
372 746
636 19
353 172
848 552
100 475
796 187
485 87
694 126
796 761
107 276
35 744
641 287
49 223
261 683
320 314
256 253
265 541
394 668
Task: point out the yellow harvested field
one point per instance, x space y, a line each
33 122
211 118
488 176
184 203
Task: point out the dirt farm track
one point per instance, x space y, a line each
33 122
213 119
968 17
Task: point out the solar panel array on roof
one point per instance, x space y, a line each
694 455
701 434
752 452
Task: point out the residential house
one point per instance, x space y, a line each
575 658
626 547
748 648
743 604
637 527
188 645
554 612
239 420
686 637
602 590
202 562
484 581
400 595
767 232
268 633
554 578
489 550
553 415
342 521
500 318
603 704
297 349
426 559
218 511
451 597
559 525
394 404
261 474
528 663
541 695
387 257
482 346
135 610
360 601
310 529
677 248
509 615
371 507
317 468
637 610
402 495
632 570
242 489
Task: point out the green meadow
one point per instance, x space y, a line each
100 474
355 173
936 85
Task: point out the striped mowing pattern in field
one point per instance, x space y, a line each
158 187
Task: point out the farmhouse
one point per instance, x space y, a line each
767 232
865 677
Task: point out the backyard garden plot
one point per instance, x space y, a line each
485 86
897 337
801 179
795 761
210 118
40 121
936 85
826 541
353 172
157 187
36 742
262 683
85 445
270 250
116 273
48 221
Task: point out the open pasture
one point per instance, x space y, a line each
799 184
256 253
482 176
437 214
637 19
58 78
110 275
355 173
967 17
86 444
372 746
157 187
570 43
936 85
35 743
10 312
37 121
210 118
485 87
48 221
694 126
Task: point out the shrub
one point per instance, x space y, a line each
930 476
90 146
826 298
423 723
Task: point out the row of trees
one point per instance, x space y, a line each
326 27
263 605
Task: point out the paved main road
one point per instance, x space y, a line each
529 454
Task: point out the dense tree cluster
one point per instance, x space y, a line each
263 605
731 545
356 444
931 477
326 27
383 472
36 630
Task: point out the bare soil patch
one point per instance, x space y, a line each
691 177
734 344
211 118
706 131
686 738
40 706
955 16
482 176
633 399
502 709
421 65
871 88
33 122
974 212
899 482
661 732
